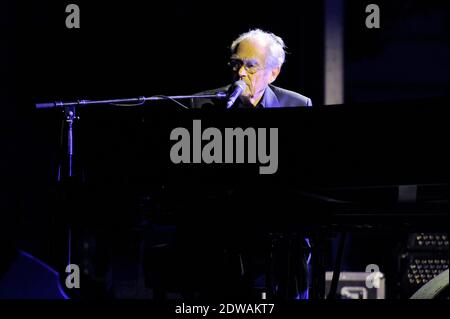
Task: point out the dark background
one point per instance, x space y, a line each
180 47
134 48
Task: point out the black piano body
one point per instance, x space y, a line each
381 162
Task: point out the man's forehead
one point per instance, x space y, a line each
250 50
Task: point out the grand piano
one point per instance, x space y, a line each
340 168
386 160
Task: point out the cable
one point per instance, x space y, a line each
142 101
173 100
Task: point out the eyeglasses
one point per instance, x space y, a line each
249 65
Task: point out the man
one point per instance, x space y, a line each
236 264
256 58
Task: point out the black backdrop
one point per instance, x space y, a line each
145 48
133 48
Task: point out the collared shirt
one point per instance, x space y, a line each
274 97
268 100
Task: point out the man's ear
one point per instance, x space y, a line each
274 74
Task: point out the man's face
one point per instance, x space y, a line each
249 64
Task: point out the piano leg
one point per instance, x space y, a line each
286 267
318 261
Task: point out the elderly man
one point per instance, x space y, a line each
232 259
256 59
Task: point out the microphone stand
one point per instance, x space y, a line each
70 113
67 176
141 99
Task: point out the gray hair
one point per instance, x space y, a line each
274 43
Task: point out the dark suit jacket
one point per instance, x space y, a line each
273 97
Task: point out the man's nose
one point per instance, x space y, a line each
242 71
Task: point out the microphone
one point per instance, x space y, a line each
236 90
